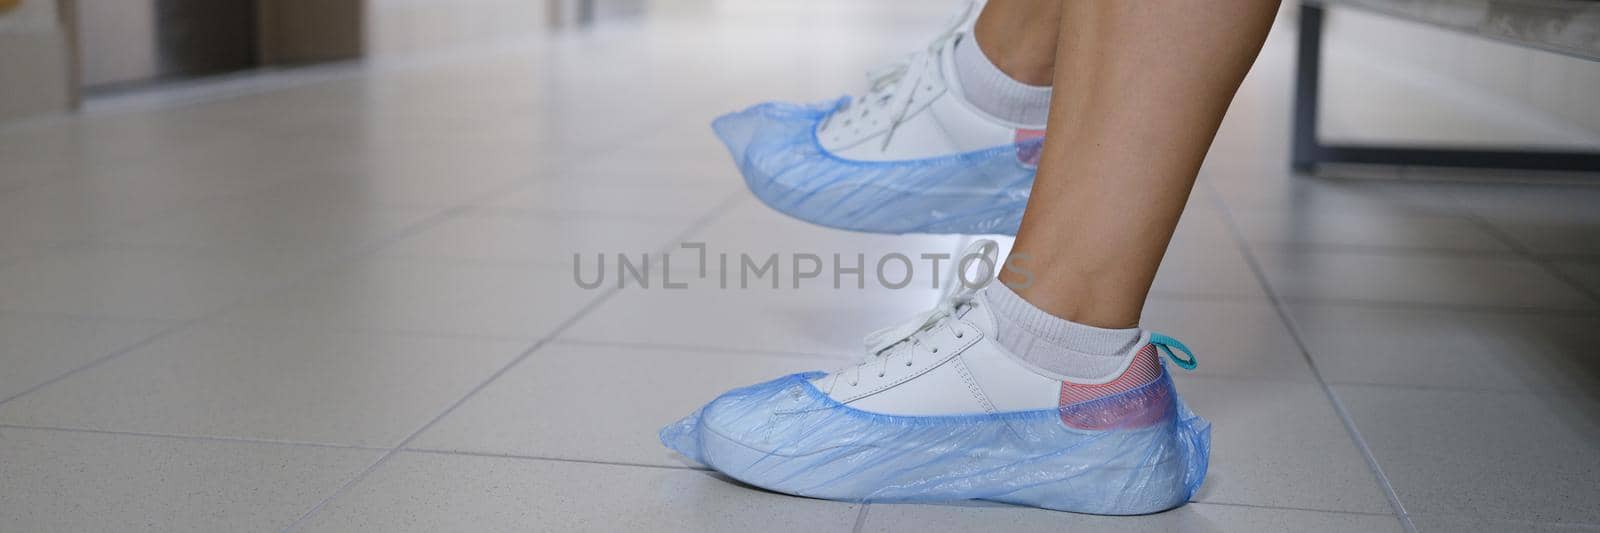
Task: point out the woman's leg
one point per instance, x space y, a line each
1140 89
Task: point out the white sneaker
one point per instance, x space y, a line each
915 110
910 156
941 411
949 363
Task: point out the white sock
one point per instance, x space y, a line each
1075 351
992 91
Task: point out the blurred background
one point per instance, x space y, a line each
309 265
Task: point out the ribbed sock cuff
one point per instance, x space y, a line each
992 91
1069 349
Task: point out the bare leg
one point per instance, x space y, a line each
1019 37
1140 89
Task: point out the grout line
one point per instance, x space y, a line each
717 211
311 273
1575 526
861 518
146 341
1379 250
1234 377
1516 246
332 263
1430 306
212 438
82 317
1180 296
1576 257
661 346
345 487
1303 509
555 459
1294 332
173 94
1555 392
557 214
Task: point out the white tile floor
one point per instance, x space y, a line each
348 304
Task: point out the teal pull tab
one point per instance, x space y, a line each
1166 344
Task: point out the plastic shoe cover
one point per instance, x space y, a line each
776 148
1148 452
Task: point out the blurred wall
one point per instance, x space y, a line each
128 41
1559 87
307 31
35 55
116 39
406 26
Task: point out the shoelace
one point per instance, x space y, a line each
888 88
885 344
904 338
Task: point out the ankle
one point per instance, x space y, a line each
1108 301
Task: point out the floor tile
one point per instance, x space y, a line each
686 170
653 200
92 198
1584 273
416 175
542 239
1192 517
1546 234
1208 270
434 492
1452 349
12 253
1486 454
262 383
1428 524
508 302
77 481
37 348
1330 229
265 226
546 406
1230 338
1472 281
1575 201
1551 219
75 209
1279 444
142 283
1277 191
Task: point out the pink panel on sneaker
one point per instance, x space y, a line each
1028 155
1092 406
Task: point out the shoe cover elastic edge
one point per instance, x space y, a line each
776 148
787 436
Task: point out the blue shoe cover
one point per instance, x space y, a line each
776 148
1147 454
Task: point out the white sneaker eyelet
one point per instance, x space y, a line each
935 349
960 334
908 363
